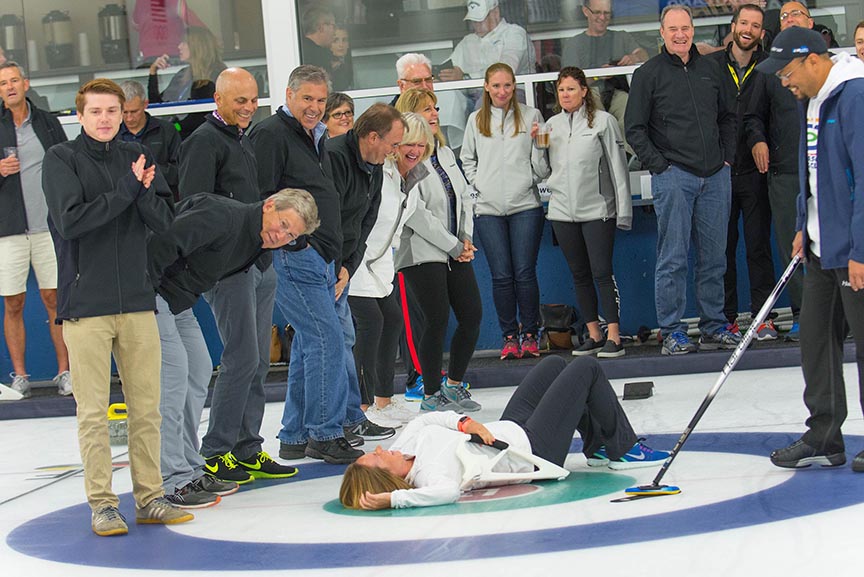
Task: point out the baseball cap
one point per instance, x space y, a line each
478 9
792 43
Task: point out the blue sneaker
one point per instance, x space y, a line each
677 343
599 458
723 338
415 394
639 456
793 336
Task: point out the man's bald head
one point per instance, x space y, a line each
236 96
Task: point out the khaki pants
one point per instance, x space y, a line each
134 340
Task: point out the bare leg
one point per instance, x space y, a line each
49 299
13 329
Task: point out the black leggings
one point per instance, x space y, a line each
378 324
556 399
587 247
436 287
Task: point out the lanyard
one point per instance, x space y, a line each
747 72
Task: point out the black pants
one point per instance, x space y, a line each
378 323
750 202
436 287
827 310
412 322
783 194
587 247
555 400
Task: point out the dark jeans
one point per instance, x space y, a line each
783 194
378 325
587 248
556 399
437 287
827 310
750 202
511 245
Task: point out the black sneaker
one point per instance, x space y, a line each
262 466
213 485
291 452
192 496
353 439
858 463
611 350
589 347
799 455
369 430
224 467
334 451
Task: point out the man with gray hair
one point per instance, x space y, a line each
319 28
212 238
414 70
290 150
160 136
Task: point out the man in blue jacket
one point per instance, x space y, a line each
830 234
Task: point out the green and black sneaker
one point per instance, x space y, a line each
225 468
262 466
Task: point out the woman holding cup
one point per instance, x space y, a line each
590 197
502 163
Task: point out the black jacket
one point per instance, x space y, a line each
13 216
677 114
99 215
359 187
163 140
217 158
287 158
212 237
772 118
740 97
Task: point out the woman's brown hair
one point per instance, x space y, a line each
484 116
358 479
588 102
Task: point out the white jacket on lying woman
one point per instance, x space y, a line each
588 175
426 236
374 277
503 168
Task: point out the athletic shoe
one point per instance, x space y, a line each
162 512
192 496
334 451
395 414
721 339
589 347
224 467
599 458
677 343
766 331
459 394
858 463
611 350
511 349
369 431
353 440
262 466
290 452
529 346
733 328
799 455
794 335
213 485
108 521
438 402
640 455
64 383
21 384
415 394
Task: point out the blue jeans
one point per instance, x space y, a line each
317 379
689 208
353 413
511 245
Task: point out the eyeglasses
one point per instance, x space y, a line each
603 13
420 81
341 115
789 74
795 13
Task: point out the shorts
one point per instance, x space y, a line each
17 253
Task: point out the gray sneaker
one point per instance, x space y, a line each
192 496
108 521
64 383
722 339
213 485
677 343
459 394
20 384
438 402
161 511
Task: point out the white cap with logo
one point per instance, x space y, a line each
478 9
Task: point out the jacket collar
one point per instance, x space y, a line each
295 125
253 221
353 144
676 60
150 125
96 148
232 130
415 175
757 56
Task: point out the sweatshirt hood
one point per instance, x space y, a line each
846 67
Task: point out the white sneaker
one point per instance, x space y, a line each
399 409
381 417
64 383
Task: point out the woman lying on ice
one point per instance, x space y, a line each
429 462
